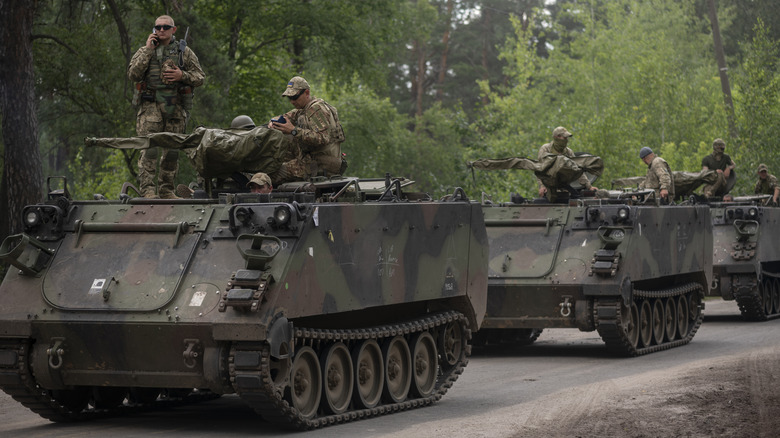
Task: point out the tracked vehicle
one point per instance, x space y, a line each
317 304
635 273
746 257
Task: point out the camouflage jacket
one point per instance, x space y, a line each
146 64
547 149
319 133
659 177
766 186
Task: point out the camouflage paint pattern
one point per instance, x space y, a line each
746 262
543 258
129 284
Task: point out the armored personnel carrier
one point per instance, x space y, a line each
746 258
634 272
317 304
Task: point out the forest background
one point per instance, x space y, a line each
422 86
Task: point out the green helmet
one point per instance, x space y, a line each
242 122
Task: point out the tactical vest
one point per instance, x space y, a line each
153 87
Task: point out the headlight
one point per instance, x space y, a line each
32 218
281 215
753 213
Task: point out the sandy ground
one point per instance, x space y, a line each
736 398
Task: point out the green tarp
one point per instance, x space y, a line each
217 152
555 171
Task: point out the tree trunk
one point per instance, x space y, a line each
445 41
22 178
419 51
722 68
485 49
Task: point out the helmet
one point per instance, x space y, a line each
242 122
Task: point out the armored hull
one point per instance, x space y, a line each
317 306
636 274
746 258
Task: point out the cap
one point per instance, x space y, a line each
762 167
561 131
295 86
645 151
718 142
260 179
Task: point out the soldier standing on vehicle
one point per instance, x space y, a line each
767 185
559 147
165 71
659 175
315 128
722 164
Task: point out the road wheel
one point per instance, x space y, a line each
338 378
398 369
646 323
670 313
682 316
629 320
425 365
306 383
659 321
369 374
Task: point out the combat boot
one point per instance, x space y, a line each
167 194
149 194
183 191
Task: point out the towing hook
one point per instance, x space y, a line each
565 307
55 354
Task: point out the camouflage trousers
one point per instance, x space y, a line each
297 169
718 188
151 119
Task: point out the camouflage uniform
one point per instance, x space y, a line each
659 177
317 134
717 161
550 149
766 186
165 108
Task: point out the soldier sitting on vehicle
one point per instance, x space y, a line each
767 185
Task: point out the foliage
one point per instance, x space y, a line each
632 74
495 77
758 107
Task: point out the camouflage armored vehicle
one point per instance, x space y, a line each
635 273
746 258
317 304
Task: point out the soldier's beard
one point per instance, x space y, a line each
718 154
559 144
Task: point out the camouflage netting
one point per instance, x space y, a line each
553 170
217 152
684 182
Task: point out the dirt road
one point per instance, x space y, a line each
724 383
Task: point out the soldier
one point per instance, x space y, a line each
767 185
165 72
659 175
315 128
558 147
260 183
722 164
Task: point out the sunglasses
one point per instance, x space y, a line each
163 27
296 96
